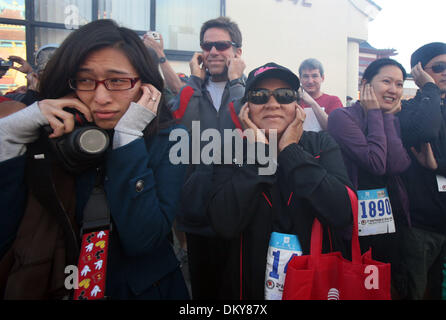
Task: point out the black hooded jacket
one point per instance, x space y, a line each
245 207
423 119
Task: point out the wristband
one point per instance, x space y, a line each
237 81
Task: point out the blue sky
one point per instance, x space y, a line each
406 25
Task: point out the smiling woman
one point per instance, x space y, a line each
369 136
104 76
383 80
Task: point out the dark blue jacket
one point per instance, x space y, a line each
142 264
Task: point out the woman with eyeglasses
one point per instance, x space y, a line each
369 136
310 182
55 188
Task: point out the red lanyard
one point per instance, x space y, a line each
96 228
93 266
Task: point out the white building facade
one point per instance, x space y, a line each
282 31
290 31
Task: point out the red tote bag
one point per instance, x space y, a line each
331 277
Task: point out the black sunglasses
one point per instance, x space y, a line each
438 67
219 45
282 95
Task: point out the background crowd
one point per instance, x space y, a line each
202 231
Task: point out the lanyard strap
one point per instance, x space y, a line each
93 257
93 266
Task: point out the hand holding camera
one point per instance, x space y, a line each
154 35
24 67
154 40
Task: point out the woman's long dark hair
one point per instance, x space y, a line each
67 59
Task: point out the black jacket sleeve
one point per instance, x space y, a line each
441 160
13 193
421 117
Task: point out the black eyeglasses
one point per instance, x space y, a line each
115 84
438 67
219 45
282 96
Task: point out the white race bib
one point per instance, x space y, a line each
441 181
311 123
375 212
282 248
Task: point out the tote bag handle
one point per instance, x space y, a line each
317 233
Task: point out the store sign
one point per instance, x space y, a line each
304 3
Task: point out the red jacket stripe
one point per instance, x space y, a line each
234 116
185 96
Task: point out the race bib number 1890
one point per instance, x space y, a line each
375 212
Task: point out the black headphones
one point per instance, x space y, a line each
81 149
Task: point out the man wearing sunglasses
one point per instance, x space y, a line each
216 81
423 130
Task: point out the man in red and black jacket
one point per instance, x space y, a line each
216 81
